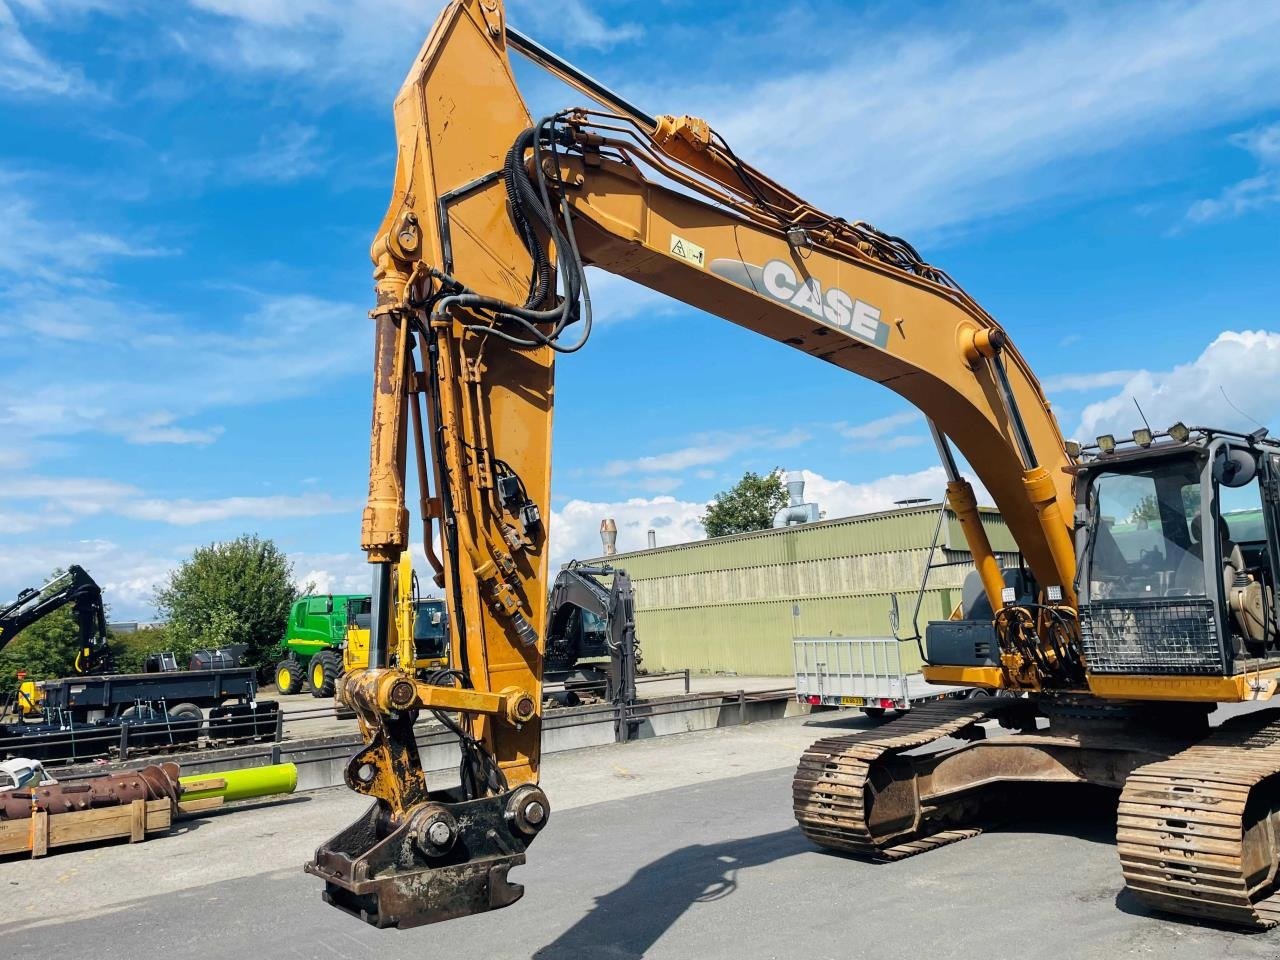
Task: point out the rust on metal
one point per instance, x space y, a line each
1197 833
155 782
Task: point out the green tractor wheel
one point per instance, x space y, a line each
290 677
325 668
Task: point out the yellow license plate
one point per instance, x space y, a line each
853 701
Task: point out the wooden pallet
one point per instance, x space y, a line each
133 821
40 833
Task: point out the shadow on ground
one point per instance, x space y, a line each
626 922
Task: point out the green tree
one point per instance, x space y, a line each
129 651
234 592
44 650
748 505
1147 508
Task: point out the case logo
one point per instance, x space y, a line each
834 307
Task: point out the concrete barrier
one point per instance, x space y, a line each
322 761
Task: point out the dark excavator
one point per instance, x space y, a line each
590 618
74 587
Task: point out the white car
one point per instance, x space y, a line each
18 773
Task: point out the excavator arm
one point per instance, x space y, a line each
74 587
479 270
579 588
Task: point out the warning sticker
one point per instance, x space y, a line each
691 252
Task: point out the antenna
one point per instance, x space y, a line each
1145 422
1223 390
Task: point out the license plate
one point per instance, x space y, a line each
853 701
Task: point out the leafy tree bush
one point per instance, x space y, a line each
748 505
239 591
129 651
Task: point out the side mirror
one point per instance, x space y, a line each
1235 468
894 616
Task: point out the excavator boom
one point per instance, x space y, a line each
479 269
481 284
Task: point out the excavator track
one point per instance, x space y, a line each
835 784
1199 834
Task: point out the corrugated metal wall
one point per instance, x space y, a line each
734 604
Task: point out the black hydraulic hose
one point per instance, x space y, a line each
524 201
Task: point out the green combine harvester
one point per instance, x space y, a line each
313 637
328 634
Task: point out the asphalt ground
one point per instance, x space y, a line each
680 847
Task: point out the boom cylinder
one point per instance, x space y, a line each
964 504
380 612
1040 491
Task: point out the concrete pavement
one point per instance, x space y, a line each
681 847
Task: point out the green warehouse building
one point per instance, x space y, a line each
734 604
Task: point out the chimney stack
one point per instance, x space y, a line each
609 536
653 539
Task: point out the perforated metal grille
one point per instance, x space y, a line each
1178 636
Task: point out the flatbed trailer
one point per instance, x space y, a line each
93 716
96 697
862 672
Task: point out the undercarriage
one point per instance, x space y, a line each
1197 823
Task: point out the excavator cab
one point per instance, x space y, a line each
1178 552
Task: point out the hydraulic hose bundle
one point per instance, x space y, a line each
534 215
1047 636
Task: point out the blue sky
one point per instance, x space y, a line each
187 192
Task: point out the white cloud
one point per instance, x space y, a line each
64 488
1252 193
26 71
1244 364
283 346
56 501
1069 382
128 574
575 527
840 498
159 428
953 116
674 460
348 42
881 433
952 122
39 247
274 13
333 572
185 512
882 426
284 155
707 449
615 298
571 22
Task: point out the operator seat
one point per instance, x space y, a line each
1189 575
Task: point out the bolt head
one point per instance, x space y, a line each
402 694
439 833
535 812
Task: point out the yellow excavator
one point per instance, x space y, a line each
1147 596
417 632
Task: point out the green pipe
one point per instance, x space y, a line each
245 784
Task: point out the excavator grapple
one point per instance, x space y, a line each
449 859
